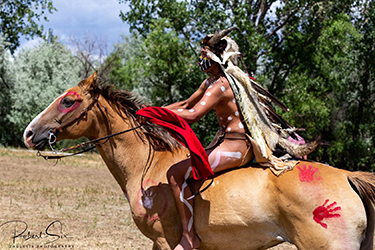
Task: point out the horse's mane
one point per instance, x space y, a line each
127 104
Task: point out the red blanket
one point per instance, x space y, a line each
182 132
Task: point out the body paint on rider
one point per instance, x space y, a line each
185 201
236 155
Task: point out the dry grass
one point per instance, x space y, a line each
79 191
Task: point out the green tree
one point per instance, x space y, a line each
333 92
317 56
127 65
358 99
161 69
266 27
20 18
39 75
6 87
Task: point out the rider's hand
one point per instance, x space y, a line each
141 119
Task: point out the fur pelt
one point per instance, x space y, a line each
256 114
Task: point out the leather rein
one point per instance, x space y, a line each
52 140
52 135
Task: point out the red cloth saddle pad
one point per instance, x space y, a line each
182 132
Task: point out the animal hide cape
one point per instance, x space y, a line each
256 117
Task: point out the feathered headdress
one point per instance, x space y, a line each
266 127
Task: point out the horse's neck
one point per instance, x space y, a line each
125 154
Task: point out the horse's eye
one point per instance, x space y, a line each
67 102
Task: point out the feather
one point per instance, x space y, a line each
259 115
299 150
265 92
275 118
214 57
228 55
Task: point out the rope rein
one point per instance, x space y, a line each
54 156
80 145
52 134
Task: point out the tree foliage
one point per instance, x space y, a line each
6 86
161 69
317 56
127 71
19 17
36 77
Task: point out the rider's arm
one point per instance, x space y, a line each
191 101
208 100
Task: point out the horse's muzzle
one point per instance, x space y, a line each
36 141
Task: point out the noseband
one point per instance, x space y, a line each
52 136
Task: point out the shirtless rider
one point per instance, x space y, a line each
238 103
216 94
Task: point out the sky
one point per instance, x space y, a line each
96 18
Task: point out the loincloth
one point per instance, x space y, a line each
277 166
221 136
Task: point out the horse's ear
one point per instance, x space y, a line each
91 82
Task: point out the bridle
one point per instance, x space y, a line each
52 140
52 135
83 112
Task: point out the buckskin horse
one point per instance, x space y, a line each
314 206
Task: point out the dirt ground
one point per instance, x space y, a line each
75 204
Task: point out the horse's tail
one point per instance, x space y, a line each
364 184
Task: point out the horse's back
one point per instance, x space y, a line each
313 206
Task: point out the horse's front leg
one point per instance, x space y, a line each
161 243
155 246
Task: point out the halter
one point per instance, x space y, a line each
52 135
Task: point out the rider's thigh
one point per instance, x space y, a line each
229 154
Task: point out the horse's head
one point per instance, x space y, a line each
64 118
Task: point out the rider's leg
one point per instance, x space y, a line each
177 175
229 154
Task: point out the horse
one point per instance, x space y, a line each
313 206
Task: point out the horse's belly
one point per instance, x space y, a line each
233 215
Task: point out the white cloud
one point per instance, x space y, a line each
99 18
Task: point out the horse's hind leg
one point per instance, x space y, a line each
368 241
330 226
314 238
344 232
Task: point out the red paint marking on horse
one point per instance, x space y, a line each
75 105
307 175
323 212
141 207
126 194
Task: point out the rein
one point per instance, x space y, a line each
54 156
52 136
80 145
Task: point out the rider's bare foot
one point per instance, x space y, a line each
187 243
